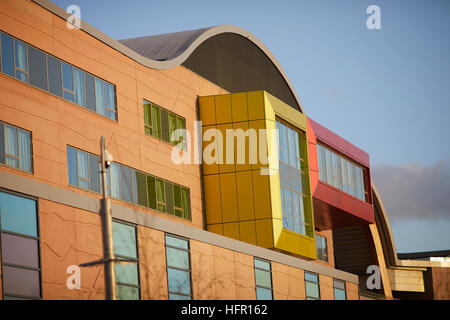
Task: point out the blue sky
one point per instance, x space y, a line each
386 91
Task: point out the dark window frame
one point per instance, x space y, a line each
265 270
18 148
88 170
325 256
336 288
309 281
39 253
188 250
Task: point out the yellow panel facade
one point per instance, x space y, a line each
249 194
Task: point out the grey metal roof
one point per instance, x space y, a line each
163 47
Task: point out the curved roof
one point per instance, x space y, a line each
170 50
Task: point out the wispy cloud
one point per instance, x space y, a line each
413 192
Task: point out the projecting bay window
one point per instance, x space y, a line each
127 184
15 147
19 243
341 173
127 274
293 179
53 75
178 268
161 123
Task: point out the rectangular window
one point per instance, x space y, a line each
178 268
339 290
15 147
263 279
293 180
38 68
341 173
312 286
83 169
19 243
127 274
321 248
50 74
162 124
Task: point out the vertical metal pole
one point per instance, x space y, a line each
108 249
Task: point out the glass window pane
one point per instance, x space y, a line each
100 96
177 196
185 203
178 297
67 77
337 178
263 294
151 192
172 127
141 188
339 284
127 273
165 125
311 277
38 68
7 55
262 264
291 146
127 293
329 166
344 175
124 238
312 290
72 166
288 207
177 242
94 174
160 195
111 101
339 294
2 143
156 128
20 250
296 211
83 169
177 258
18 214
262 278
25 150
114 185
21 60
179 281
125 183
11 140
90 92
54 75
169 197
147 117
78 78
20 281
68 96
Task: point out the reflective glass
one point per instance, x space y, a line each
156 128
18 214
124 238
19 250
262 278
127 273
141 188
127 293
67 77
125 183
94 174
21 60
54 75
25 150
179 281
20 281
90 92
263 294
169 197
311 277
113 181
78 78
177 258
185 203
312 290
72 166
339 294
38 68
7 55
265 265
151 189
177 242
83 169
100 96
110 101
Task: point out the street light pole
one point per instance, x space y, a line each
105 214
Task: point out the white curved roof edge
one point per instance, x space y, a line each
168 64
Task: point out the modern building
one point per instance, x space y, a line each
295 217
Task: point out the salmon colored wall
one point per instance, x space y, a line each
152 264
288 282
221 274
352 291
326 288
69 236
55 123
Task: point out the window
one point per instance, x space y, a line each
321 248
83 169
48 73
293 179
19 242
312 286
162 124
339 290
15 147
341 173
263 279
178 268
127 274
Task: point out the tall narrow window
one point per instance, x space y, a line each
67 71
178 268
127 274
83 169
321 248
54 75
156 122
78 83
100 96
263 279
293 180
312 286
38 68
21 65
339 290
7 55
19 243
15 147
111 111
